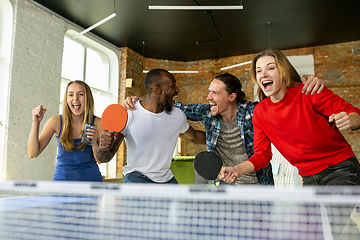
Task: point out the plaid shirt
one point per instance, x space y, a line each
202 113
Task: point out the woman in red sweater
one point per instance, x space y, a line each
301 127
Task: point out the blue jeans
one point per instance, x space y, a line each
344 173
138 177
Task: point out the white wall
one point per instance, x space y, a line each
6 30
35 77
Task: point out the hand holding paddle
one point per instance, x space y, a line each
210 167
106 140
228 174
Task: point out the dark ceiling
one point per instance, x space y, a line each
173 35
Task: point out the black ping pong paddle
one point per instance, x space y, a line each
208 165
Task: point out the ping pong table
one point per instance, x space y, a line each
138 211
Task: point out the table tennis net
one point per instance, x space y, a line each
52 210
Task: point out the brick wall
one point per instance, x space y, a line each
339 66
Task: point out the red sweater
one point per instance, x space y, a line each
298 127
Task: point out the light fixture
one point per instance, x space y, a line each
233 7
146 71
269 32
236 65
95 25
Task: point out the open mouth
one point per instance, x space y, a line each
212 106
267 84
76 106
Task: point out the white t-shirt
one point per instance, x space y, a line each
150 139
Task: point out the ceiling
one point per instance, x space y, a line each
190 35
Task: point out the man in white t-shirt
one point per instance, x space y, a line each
151 133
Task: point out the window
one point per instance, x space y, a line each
86 60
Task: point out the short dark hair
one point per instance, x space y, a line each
233 85
152 78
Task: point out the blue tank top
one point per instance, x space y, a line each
77 165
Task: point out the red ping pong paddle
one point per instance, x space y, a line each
208 165
114 118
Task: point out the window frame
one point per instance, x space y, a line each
107 169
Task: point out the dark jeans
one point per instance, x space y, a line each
138 177
344 173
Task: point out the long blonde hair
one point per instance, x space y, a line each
288 73
66 137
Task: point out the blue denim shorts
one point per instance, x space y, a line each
138 177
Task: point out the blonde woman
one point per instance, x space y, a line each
302 127
75 160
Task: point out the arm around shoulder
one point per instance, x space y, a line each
194 136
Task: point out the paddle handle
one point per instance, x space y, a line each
220 171
217 181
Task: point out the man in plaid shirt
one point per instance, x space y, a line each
235 143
